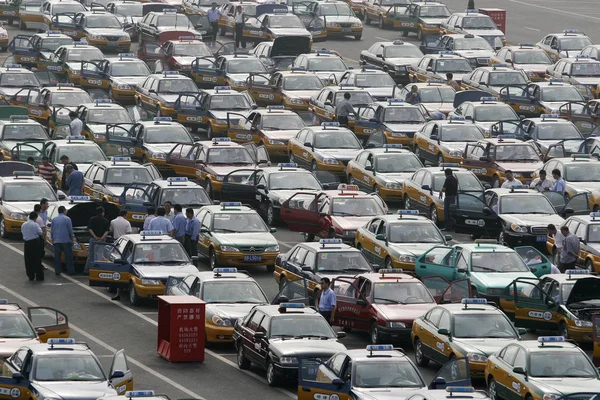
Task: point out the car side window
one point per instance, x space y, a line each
255 321
373 226
299 256
264 326
206 220
462 261
336 363
99 175
18 358
510 354
520 359
309 261
444 321
381 229
434 316
580 231
548 40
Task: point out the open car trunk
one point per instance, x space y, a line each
290 46
81 213
584 299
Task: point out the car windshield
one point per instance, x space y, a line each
53 43
556 93
558 131
108 115
335 9
388 163
233 292
525 204
385 374
288 121
401 293
15 326
495 113
336 140
179 21
356 99
478 23
18 79
374 80
229 102
24 132
129 68
585 69
583 172
167 134
531 57
28 191
479 325
245 66
299 325
356 206
440 94
497 261
475 43
69 99
434 11
67 367
186 196
125 176
302 82
293 181
108 21
342 261
459 65
81 154
81 54
238 222
516 152
285 21
566 288
67 7
176 86
573 43
191 49
403 115
414 232
467 182
506 78
160 253
321 63
129 9
550 364
402 51
460 133
232 155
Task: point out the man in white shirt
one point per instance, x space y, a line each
120 226
76 125
169 213
151 215
558 242
510 180
541 184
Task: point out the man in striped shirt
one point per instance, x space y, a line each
47 170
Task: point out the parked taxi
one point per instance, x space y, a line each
33 50
423 18
434 67
566 44
436 96
397 58
13 77
41 19
159 92
65 62
97 115
533 60
587 229
323 106
476 23
493 79
580 71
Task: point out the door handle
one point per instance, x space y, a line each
422 266
305 389
421 328
509 376
62 332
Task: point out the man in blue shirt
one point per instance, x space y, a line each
413 96
328 301
192 230
74 180
149 217
559 182
62 239
179 223
44 213
32 235
161 223
213 17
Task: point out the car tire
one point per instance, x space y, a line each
270 215
563 330
314 167
376 190
380 23
270 267
420 358
406 202
242 361
501 240
308 237
405 33
420 34
212 259
589 265
357 37
493 389
388 263
209 132
134 299
272 377
433 214
374 333
3 232
209 189
496 182
440 159
22 25
418 154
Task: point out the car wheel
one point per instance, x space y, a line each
293 159
242 361
563 330
440 159
433 213
270 215
380 22
134 299
420 358
212 259
316 120
314 167
374 333
357 37
420 34
272 378
496 182
223 32
3 232
209 189
492 389
418 154
388 263
271 268
376 189
308 237
407 202
589 265
405 33
501 239
209 132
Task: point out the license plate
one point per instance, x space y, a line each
252 258
543 238
346 30
113 43
203 32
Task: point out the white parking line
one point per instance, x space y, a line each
555 10
151 321
532 29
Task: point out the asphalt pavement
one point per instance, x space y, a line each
108 326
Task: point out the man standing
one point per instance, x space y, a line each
179 223
151 215
213 18
328 301
32 234
239 27
450 191
74 180
99 228
169 214
120 226
192 230
510 180
413 96
44 213
62 239
47 170
559 182
64 159
541 184
558 242
343 109
451 82
161 223
570 249
76 125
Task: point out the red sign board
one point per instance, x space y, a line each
497 15
181 328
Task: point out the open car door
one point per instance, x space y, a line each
188 108
259 154
518 98
300 213
437 261
456 372
262 90
240 129
240 185
294 291
49 323
468 95
327 179
538 263
529 306
576 205
65 22
46 78
177 286
153 171
121 377
93 75
431 44
13 386
473 216
120 142
8 168
108 268
22 151
136 199
317 381
22 49
206 74
444 291
507 128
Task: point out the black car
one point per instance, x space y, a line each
396 58
275 337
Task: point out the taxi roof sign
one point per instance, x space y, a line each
217 88
392 100
502 137
456 118
555 80
17 117
103 101
177 179
115 159
140 393
548 116
582 56
350 188
380 347
525 44
274 108
162 119
551 339
225 270
221 139
79 198
324 125
484 99
472 10
323 51
577 272
7 66
287 165
459 389
151 233
392 146
324 242
296 69
169 10
408 212
284 307
54 341
190 38
500 66
567 31
17 174
474 300
226 204
398 42
3 301
78 137
446 52
449 165
121 55
575 156
65 84
53 33
165 73
594 215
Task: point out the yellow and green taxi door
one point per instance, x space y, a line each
49 323
93 75
264 94
13 385
108 267
121 377
317 381
205 72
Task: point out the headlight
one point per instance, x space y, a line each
220 321
407 258
332 24
330 161
158 155
124 37
398 134
229 248
153 282
76 246
356 24
97 37
530 74
3 34
276 141
395 324
551 396
349 233
221 121
456 153
123 86
288 360
239 83
220 177
296 101
583 324
518 228
400 68
272 248
18 216
474 357
393 185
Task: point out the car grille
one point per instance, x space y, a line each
482 61
539 230
252 249
112 38
345 24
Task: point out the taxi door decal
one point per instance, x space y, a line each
317 382
119 142
119 363
263 93
49 323
108 269
456 372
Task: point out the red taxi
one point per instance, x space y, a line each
331 213
178 55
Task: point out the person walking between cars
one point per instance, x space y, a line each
449 191
119 227
413 97
76 125
570 250
32 236
64 159
192 230
161 223
62 241
47 171
510 180
179 223
451 82
558 242
559 182
99 229
44 207
149 217
74 181
328 301
213 18
343 109
239 27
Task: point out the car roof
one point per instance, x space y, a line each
119 164
273 310
102 105
534 346
569 278
335 247
212 144
45 348
164 183
458 308
378 151
363 355
169 76
275 111
222 209
63 89
507 191
45 35
28 121
401 103
405 218
486 247
210 276
137 238
389 277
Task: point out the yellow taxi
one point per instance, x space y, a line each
434 67
226 20
580 71
22 137
527 57
41 19
379 11
422 17
494 79
587 228
159 92
566 44
473 329
475 23
32 50
98 115
323 106
65 62
13 77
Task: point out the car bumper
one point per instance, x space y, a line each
218 334
391 194
334 169
399 76
339 31
148 291
13 225
405 266
277 150
295 107
477 369
234 258
394 334
581 334
524 239
108 47
348 239
123 95
288 373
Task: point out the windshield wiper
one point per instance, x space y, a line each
225 230
388 300
312 336
329 270
356 269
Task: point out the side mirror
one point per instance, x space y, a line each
568 211
444 332
341 335
369 168
272 230
554 47
487 211
151 91
204 230
216 202
254 106
61 195
40 331
97 182
487 186
484 159
337 382
120 261
117 374
328 103
17 376
253 129
462 270
521 116
469 118
426 187
195 259
522 331
197 139
532 98
508 61
379 55
306 269
433 137
259 335
380 237
519 370
261 186
361 302
308 144
373 120
448 238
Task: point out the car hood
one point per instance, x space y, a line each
9 91
339 154
283 195
107 31
163 272
306 347
551 105
342 18
26 150
475 53
169 98
566 385
487 346
9 346
290 45
302 94
403 61
399 177
484 32
400 127
258 239
115 190
537 68
384 393
403 312
585 186
24 207
294 32
160 147
80 213
230 311
71 390
587 80
441 107
586 289
130 80
520 167
243 77
499 280
452 146
350 223
223 115
380 93
415 249
184 60
167 33
571 145
433 20
223 170
280 135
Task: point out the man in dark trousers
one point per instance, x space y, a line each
192 230
328 301
99 227
32 233
344 109
449 191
